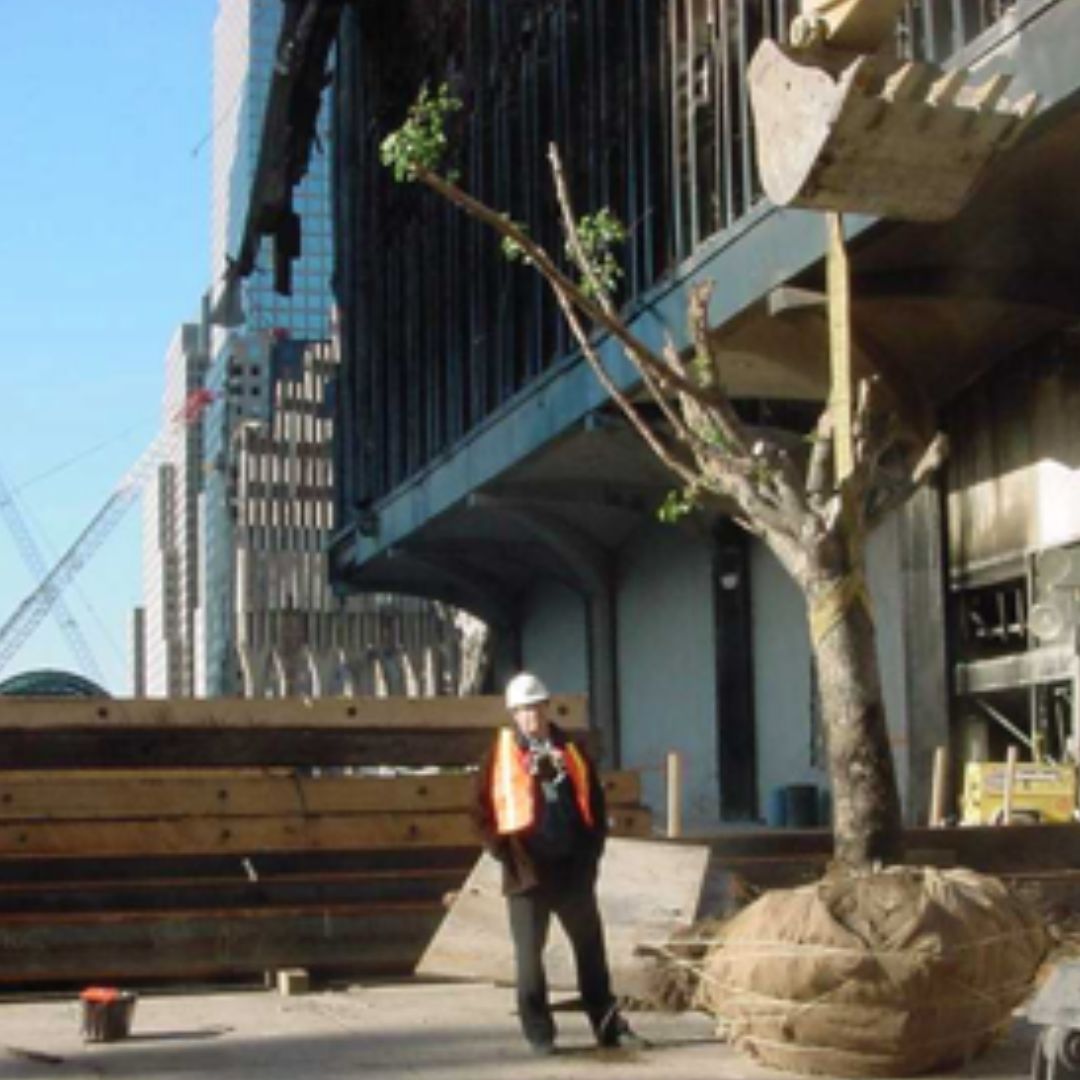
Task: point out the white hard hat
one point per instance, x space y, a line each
525 689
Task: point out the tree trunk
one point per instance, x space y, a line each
867 823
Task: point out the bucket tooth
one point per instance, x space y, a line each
911 83
985 96
945 89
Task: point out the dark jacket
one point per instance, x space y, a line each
525 865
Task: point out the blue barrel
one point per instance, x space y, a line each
801 805
776 808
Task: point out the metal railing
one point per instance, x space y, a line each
711 137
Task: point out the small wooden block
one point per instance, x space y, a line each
293 981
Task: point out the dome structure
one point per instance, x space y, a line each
50 683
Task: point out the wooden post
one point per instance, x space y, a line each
1010 781
838 279
674 795
938 786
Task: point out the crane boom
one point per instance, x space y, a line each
35 563
29 614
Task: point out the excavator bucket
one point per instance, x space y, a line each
873 134
845 24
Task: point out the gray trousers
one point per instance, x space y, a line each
530 919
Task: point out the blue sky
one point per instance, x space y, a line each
104 250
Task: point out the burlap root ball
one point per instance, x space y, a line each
886 973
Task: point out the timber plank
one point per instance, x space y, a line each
123 918
177 886
343 714
136 748
361 939
252 835
194 748
209 894
28 795
988 848
269 865
240 836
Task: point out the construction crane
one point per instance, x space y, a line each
29 614
35 563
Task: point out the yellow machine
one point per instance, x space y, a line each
1041 793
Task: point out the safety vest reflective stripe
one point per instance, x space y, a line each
512 785
578 772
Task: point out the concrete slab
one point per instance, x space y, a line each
385 1032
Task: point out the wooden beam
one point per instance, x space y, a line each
284 864
81 795
133 748
238 892
370 939
163 748
249 836
839 293
239 836
333 714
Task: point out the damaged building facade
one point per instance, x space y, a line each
239 600
479 463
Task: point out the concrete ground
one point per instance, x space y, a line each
385 1032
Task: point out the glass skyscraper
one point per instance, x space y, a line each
245 42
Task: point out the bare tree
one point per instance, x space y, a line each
812 505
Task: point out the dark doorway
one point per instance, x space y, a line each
736 743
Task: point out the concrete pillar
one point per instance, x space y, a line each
922 570
603 670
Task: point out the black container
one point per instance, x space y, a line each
107 1015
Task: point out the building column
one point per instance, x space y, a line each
922 572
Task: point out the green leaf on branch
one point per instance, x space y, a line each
598 234
677 504
421 141
511 249
718 437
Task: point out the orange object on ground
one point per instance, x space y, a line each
106 1013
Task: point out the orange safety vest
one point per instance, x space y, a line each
512 785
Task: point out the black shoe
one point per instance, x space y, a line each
542 1048
629 1039
614 1031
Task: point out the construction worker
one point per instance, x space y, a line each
542 814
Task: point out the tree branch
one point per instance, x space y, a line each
652 440
883 499
819 470
635 349
698 319
573 236
585 265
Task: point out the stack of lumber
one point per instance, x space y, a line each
207 840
